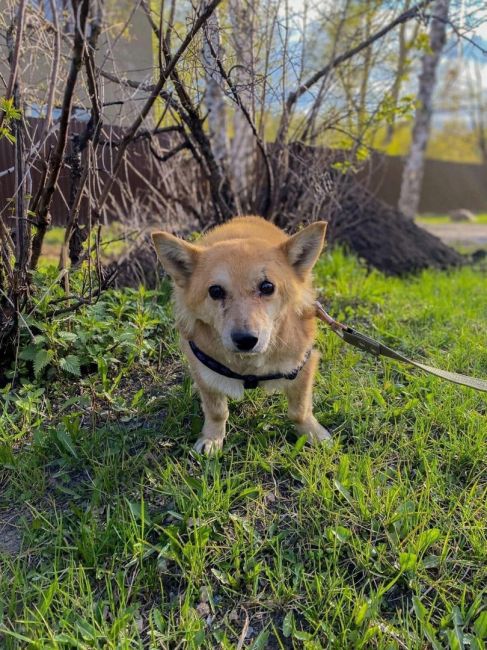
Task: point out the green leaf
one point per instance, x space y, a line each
159 621
408 561
7 459
288 624
457 632
29 353
343 491
68 336
419 608
360 613
426 626
65 441
301 635
298 446
427 538
137 397
260 642
87 631
220 576
340 533
41 360
71 364
480 625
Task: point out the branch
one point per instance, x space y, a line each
248 117
91 134
7 171
458 32
58 154
55 66
172 152
199 22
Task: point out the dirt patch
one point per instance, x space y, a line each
11 530
460 234
384 238
318 188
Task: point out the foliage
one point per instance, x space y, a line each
454 141
10 113
130 539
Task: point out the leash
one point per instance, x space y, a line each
368 344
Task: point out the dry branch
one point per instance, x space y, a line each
170 67
80 12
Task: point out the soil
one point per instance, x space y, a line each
472 235
384 238
317 187
11 530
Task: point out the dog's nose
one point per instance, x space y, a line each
244 340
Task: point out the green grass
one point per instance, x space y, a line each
113 244
115 534
434 219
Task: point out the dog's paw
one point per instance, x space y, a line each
319 434
208 446
314 431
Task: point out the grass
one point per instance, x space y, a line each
115 534
436 219
112 245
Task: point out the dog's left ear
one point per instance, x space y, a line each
304 248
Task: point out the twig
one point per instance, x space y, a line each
167 156
58 153
199 22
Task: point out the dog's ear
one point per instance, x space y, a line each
303 249
176 256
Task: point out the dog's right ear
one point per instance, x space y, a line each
176 256
304 248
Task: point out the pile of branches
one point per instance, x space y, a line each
321 185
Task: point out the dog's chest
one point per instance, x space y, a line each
234 387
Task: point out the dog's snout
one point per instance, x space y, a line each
244 341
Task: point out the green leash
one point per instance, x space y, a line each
368 344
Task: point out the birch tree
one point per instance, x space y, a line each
212 52
414 169
243 143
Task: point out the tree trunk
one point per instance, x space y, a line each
214 98
413 171
243 149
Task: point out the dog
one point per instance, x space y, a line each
245 310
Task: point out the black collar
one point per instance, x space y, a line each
249 381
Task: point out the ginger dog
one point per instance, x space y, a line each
245 311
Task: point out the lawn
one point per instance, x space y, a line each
115 534
433 219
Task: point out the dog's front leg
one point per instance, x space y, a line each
216 415
299 393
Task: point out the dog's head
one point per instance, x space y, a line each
241 288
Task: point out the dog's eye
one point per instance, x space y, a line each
266 288
216 292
